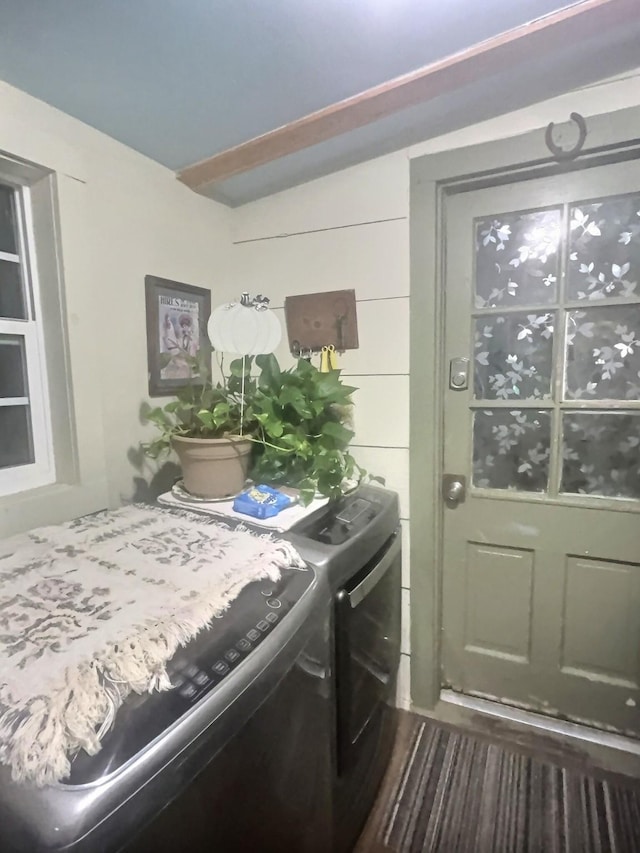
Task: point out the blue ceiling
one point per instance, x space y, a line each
180 80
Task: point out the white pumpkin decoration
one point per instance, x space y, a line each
244 328
247 327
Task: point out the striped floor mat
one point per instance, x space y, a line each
457 793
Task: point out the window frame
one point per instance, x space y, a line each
42 471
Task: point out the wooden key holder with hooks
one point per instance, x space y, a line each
317 320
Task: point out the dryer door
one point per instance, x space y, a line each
367 647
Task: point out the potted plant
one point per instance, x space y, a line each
301 438
281 427
209 427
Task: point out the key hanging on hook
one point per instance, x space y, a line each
328 359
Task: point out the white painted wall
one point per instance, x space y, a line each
351 230
121 216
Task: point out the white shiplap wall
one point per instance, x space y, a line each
349 238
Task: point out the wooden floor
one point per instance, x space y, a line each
451 789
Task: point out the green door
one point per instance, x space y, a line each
541 575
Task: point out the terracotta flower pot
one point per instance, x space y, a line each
213 467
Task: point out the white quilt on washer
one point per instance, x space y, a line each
94 608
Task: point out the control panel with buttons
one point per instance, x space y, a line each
192 678
196 670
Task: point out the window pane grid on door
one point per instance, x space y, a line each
559 360
511 449
532 403
517 271
601 454
587 367
604 248
603 353
566 303
571 405
516 258
601 369
513 356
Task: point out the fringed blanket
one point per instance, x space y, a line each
93 609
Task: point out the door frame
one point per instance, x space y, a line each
434 177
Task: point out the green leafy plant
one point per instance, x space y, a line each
301 438
206 410
296 419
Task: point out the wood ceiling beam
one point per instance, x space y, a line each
529 41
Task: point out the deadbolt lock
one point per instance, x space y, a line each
459 374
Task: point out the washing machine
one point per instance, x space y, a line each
233 758
279 727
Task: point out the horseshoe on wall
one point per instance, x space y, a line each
570 153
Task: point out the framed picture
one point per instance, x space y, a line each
177 316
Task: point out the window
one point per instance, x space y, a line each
51 448
26 450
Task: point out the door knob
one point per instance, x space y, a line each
454 489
